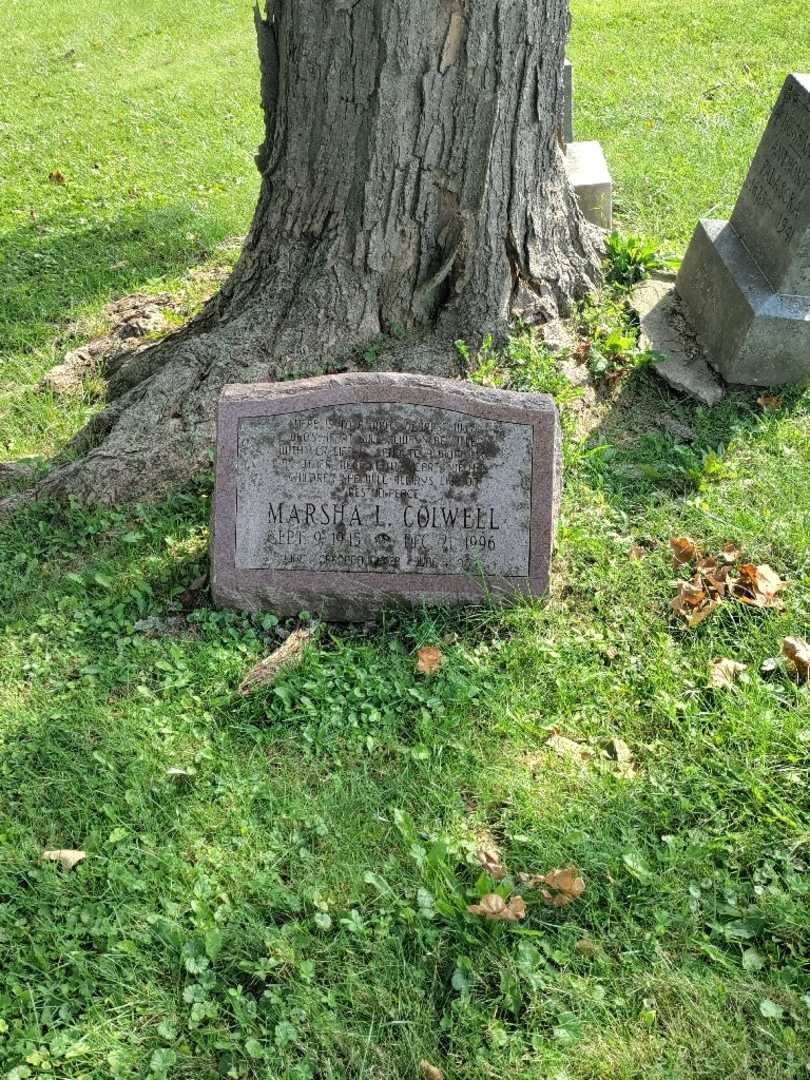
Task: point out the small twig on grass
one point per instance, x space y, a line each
286 655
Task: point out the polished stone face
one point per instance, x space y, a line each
341 493
389 488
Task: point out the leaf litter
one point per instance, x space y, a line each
490 859
712 583
559 887
612 755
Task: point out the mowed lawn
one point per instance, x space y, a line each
277 886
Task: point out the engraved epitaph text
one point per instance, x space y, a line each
772 215
384 488
342 493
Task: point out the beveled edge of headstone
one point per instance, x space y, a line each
355 596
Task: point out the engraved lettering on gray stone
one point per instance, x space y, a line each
389 488
772 214
337 494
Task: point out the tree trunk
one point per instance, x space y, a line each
413 192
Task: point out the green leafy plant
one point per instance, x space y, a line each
525 363
609 334
630 259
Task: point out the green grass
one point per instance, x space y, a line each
678 94
295 905
151 114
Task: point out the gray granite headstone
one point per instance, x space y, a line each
585 163
342 493
746 283
772 215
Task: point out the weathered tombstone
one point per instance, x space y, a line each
590 178
340 494
746 283
585 163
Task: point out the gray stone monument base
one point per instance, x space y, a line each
751 334
590 178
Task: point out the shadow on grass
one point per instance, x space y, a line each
655 444
50 274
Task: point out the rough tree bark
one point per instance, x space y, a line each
412 184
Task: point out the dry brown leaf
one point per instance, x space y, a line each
724 672
698 598
729 553
429 660
769 402
684 551
430 1072
491 862
797 650
700 614
286 655
693 602
716 581
66 857
496 908
758 586
691 594
56 177
564 886
638 552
